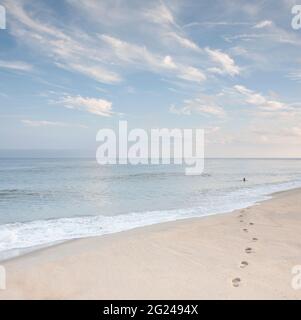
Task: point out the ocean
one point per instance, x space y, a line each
46 201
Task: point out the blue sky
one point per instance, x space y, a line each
69 68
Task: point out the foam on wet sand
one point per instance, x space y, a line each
246 254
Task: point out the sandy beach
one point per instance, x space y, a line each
246 254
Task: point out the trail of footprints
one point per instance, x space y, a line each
248 250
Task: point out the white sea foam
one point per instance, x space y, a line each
17 236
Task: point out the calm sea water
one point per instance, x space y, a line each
48 200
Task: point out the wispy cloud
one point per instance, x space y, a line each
296 76
268 33
227 64
163 51
257 99
216 24
99 107
160 14
204 105
95 72
256 25
73 51
16 65
183 41
263 24
141 57
45 123
281 135
110 60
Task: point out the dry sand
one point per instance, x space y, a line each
246 254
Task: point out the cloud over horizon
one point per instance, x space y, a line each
173 63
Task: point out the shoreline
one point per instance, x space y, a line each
20 252
196 258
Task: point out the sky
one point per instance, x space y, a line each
233 68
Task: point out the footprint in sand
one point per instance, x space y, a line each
245 230
251 224
236 282
255 239
243 264
248 250
241 221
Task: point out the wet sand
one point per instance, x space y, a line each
246 254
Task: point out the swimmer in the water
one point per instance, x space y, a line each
244 179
